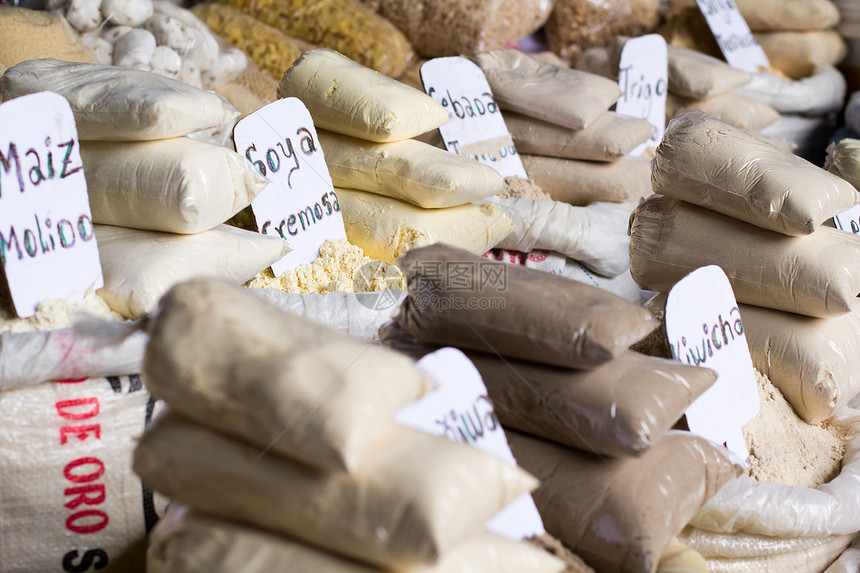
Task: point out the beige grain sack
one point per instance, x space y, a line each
583 182
789 14
140 266
34 34
705 161
843 159
231 361
799 54
120 104
610 137
696 75
822 93
559 95
619 514
744 113
413 498
386 228
408 170
185 541
258 83
345 97
241 97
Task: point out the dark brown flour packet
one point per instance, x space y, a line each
620 408
460 299
619 513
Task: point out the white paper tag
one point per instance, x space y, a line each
703 325
849 220
733 35
460 410
643 76
477 129
47 244
299 204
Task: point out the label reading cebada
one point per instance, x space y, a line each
704 328
477 129
643 76
47 244
460 410
299 204
849 220
733 35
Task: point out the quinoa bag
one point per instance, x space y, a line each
583 182
696 75
799 54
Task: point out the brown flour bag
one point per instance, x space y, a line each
231 361
68 498
185 541
739 111
610 137
533 315
789 14
34 34
696 75
583 182
407 504
558 95
704 161
799 54
670 238
619 513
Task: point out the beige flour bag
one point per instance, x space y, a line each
229 360
68 498
822 93
386 228
345 97
704 161
739 111
696 75
559 95
408 170
120 104
583 182
568 323
140 266
619 513
799 54
843 159
185 541
670 238
789 14
175 185
412 499
33 34
610 137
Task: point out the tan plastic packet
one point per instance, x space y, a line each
843 159
739 111
408 170
241 97
670 238
34 34
789 14
345 97
568 324
141 266
558 95
696 75
120 104
704 161
233 362
407 504
175 185
799 54
584 182
822 93
610 137
185 541
620 513
386 228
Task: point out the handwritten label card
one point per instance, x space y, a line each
477 129
704 328
47 244
849 220
643 76
734 37
299 204
460 411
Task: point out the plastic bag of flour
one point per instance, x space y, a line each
345 97
610 137
799 54
696 75
408 170
68 498
189 542
140 266
556 94
467 301
413 498
618 514
583 182
843 159
670 238
821 93
33 34
789 15
120 104
704 161
227 359
848 561
739 111
173 185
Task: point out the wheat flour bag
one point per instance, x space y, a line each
799 54
789 14
584 182
68 498
739 111
696 75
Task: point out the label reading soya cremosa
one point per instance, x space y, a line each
733 35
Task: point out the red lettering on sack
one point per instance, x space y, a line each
64 406
67 471
73 525
82 492
80 432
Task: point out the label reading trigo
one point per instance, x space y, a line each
47 245
643 76
299 204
